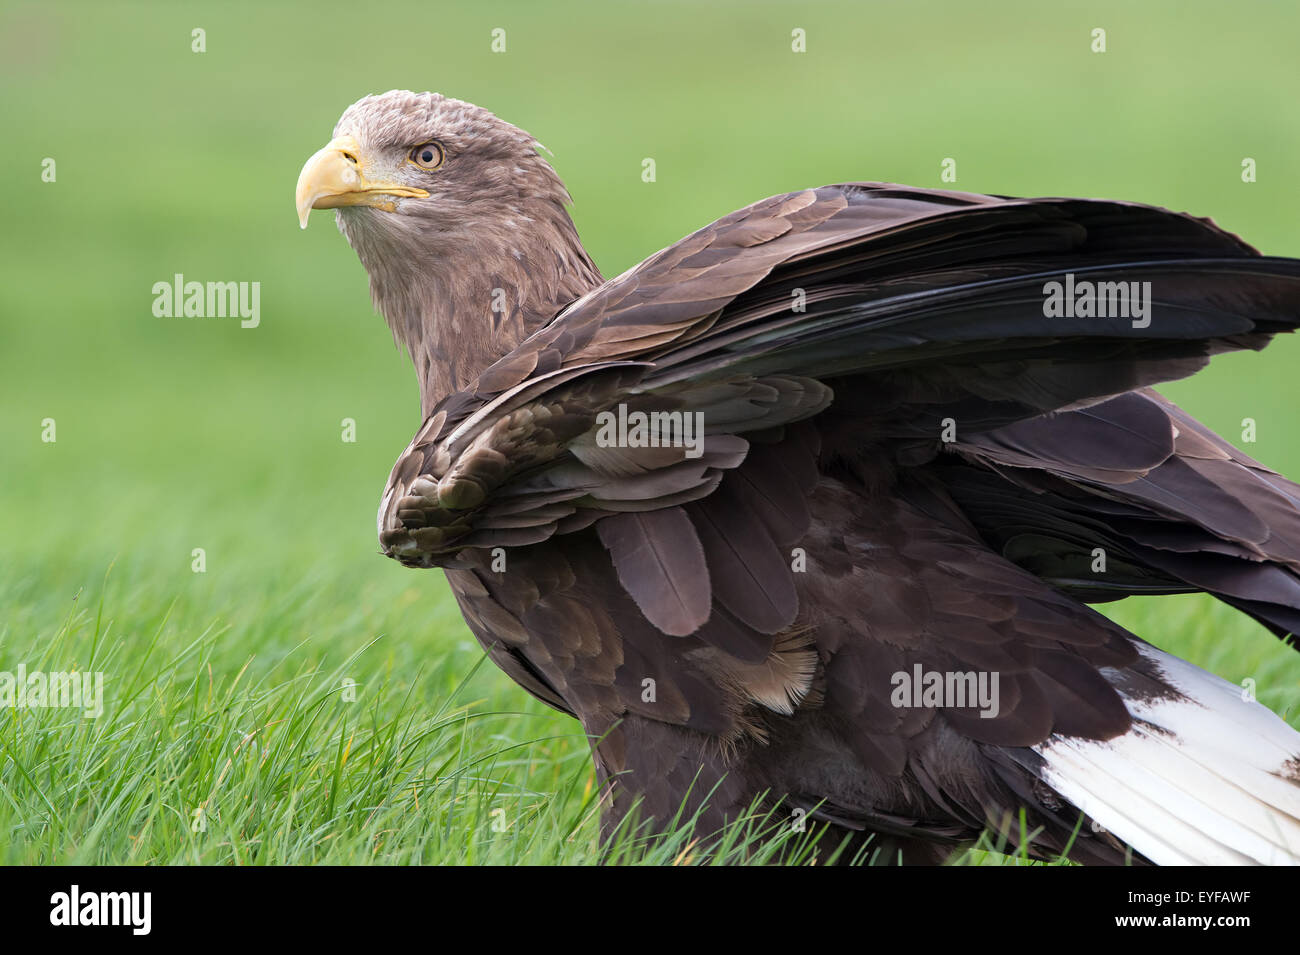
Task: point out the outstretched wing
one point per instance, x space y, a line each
916 317
1134 496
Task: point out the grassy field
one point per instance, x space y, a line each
302 699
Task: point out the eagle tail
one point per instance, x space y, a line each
1204 777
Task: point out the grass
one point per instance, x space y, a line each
225 689
259 744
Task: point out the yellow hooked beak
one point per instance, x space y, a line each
336 176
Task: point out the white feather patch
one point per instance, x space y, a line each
1205 779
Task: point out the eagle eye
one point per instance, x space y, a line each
427 156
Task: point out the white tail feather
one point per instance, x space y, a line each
1205 778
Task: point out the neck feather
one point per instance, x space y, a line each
461 297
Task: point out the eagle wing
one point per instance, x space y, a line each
919 315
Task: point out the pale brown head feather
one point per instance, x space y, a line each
491 255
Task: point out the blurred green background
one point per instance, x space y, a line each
175 434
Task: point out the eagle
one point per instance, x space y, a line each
808 510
